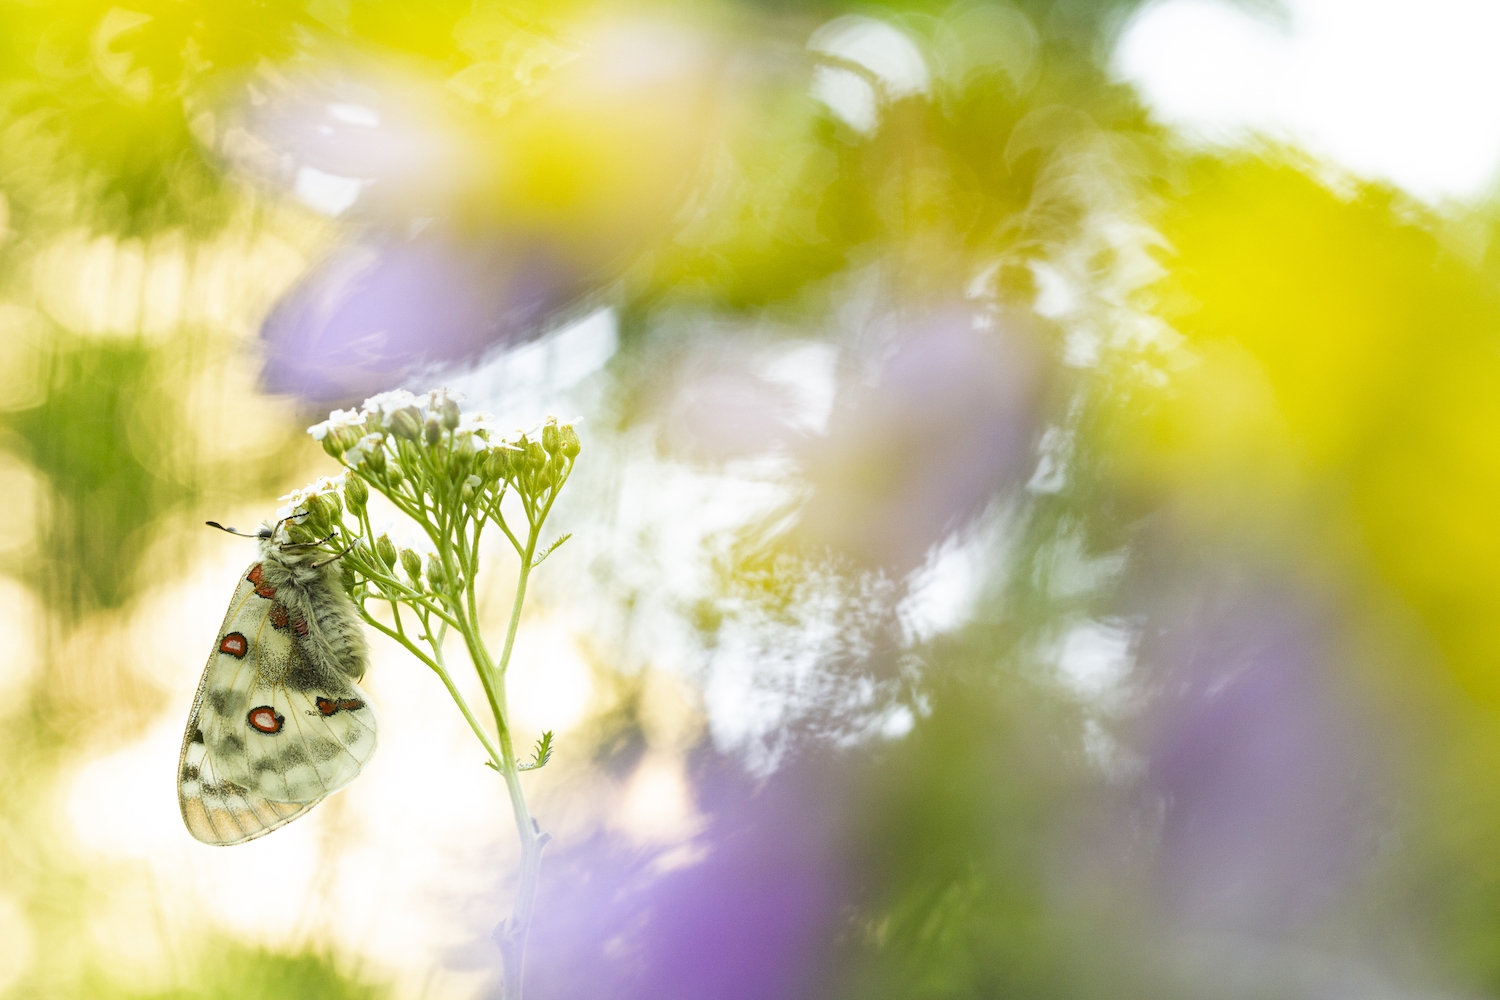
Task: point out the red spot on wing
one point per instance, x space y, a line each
331 706
235 644
262 588
265 719
281 618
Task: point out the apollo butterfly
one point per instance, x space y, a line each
278 723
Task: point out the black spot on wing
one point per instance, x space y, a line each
190 773
324 749
220 699
197 734
286 757
223 789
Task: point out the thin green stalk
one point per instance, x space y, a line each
452 483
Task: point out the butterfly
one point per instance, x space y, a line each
278 723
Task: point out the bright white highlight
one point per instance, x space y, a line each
354 114
657 807
1093 659
1390 89
886 52
549 681
327 193
849 96
890 57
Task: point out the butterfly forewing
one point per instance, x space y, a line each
271 731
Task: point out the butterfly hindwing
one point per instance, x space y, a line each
219 811
299 752
272 731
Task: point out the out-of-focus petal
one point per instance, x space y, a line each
950 421
375 311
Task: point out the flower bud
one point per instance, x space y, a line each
434 430
551 439
495 466
449 411
346 437
356 494
570 446
375 460
317 514
463 455
412 563
386 550
434 572
346 577
406 423
535 456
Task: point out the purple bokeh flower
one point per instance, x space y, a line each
379 309
746 922
949 421
1256 761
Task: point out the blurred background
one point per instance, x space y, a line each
1036 533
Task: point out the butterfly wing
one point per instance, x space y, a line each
325 734
271 732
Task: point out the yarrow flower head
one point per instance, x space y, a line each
337 421
455 474
297 500
386 403
426 445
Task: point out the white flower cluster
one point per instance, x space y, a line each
295 501
383 405
337 421
362 432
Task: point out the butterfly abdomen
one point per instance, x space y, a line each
316 609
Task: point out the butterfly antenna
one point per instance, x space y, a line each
325 562
232 531
307 545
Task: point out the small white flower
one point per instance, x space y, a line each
386 403
337 420
437 397
475 482
366 446
297 499
478 420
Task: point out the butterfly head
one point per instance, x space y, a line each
277 543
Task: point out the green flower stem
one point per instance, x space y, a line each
439 668
450 477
